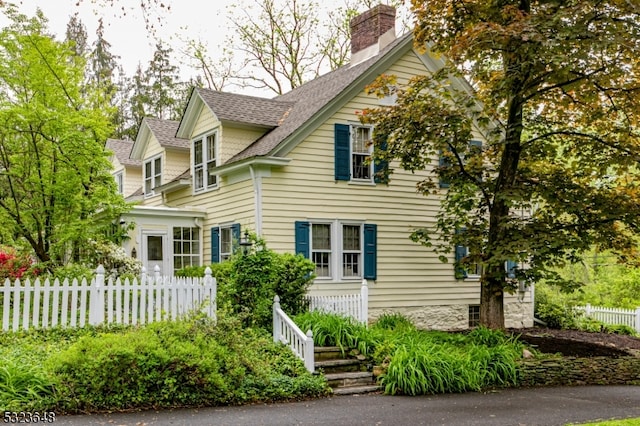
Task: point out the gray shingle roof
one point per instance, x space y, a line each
245 109
122 150
309 99
165 132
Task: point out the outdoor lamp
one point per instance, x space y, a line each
245 242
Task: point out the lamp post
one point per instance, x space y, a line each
245 242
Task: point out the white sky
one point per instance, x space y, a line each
205 20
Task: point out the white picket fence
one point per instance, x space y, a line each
287 332
613 316
352 305
73 303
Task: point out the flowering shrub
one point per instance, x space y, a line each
13 265
113 257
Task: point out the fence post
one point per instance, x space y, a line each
309 355
638 320
276 320
587 310
96 306
364 302
143 275
210 281
156 273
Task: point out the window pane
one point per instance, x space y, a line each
147 186
351 264
198 178
186 234
157 165
351 237
322 261
360 139
211 147
361 170
177 247
154 247
321 237
225 240
147 169
197 152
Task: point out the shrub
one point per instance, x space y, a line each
23 385
183 363
554 314
13 265
247 283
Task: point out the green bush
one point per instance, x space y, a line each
555 314
182 363
247 283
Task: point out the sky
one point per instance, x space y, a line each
125 30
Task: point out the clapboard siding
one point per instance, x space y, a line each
234 140
408 273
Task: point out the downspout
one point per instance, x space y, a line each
257 194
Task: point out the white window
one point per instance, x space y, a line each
186 247
361 150
336 250
474 270
321 249
152 175
226 243
205 160
119 178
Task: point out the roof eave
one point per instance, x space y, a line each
173 186
253 161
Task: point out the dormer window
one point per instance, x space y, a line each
205 160
152 175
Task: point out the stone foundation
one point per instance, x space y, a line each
456 317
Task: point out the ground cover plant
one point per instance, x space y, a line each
191 362
422 362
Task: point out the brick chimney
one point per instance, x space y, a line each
371 31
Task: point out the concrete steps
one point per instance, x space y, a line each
347 374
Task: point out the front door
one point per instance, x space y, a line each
155 252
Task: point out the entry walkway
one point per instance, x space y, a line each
511 407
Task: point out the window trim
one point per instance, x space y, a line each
352 133
194 231
153 177
204 165
119 178
336 256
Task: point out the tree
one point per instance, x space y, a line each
556 101
77 35
55 185
163 84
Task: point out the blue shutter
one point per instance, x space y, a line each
443 162
380 166
475 143
370 251
235 237
342 152
511 266
302 238
460 253
215 245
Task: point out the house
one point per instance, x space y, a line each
293 170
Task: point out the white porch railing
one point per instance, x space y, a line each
613 316
352 305
287 332
73 303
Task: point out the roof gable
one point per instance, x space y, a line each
163 130
315 100
122 150
243 110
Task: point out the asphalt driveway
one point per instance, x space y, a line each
519 407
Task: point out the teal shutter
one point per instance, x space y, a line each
302 238
460 253
511 266
443 162
370 251
380 166
342 152
235 236
215 245
475 143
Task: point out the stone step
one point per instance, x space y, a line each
354 390
355 378
323 353
339 365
